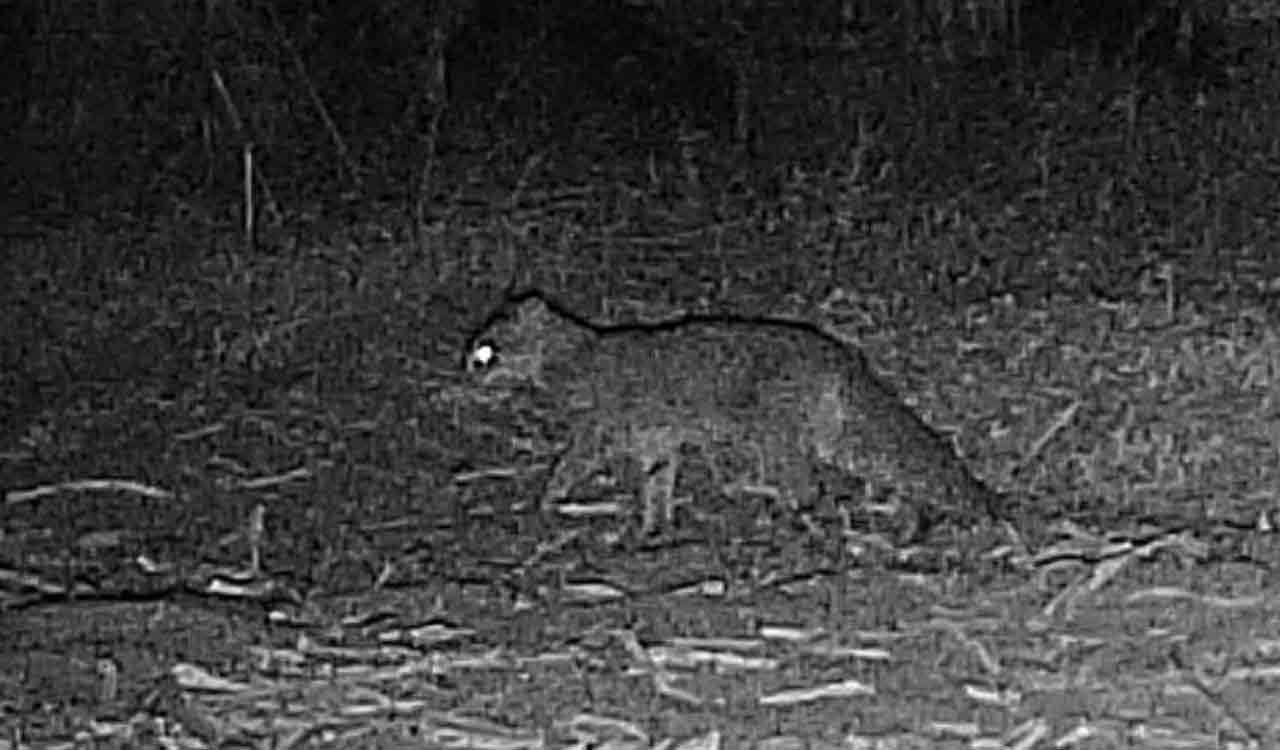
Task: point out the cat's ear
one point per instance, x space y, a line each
533 309
535 312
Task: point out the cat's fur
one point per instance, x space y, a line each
790 394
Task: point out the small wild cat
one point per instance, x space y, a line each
793 396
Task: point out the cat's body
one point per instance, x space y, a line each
787 393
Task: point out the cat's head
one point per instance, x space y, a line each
524 338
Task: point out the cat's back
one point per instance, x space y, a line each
727 362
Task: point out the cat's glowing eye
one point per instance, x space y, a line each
481 357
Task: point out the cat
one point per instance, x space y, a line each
788 393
